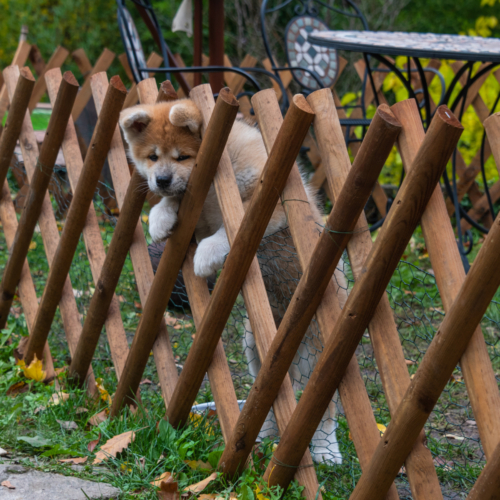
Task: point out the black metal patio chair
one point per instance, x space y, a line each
137 61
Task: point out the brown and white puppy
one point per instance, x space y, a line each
164 140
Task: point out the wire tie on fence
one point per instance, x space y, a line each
356 231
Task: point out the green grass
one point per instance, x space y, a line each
158 448
40 119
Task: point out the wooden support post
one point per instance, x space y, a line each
26 290
487 486
435 369
92 237
254 291
110 273
143 270
243 249
36 194
18 106
22 53
36 59
56 61
219 375
48 226
445 259
83 63
383 331
77 215
154 61
211 149
317 276
102 64
402 219
304 220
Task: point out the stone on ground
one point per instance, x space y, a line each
35 485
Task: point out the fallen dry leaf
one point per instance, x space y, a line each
67 425
17 388
198 465
170 320
145 381
168 490
57 398
104 393
470 422
410 362
81 410
197 487
7 484
96 419
91 446
76 460
34 371
114 446
164 477
216 496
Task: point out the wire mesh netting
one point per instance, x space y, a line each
451 430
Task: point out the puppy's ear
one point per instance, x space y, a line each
134 121
186 114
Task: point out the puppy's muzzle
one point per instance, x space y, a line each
163 181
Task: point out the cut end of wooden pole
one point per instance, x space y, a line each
300 102
68 77
227 96
494 118
384 111
167 92
117 83
448 117
26 73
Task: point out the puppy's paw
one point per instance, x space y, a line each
161 223
321 455
209 257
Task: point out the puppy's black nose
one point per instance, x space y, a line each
163 181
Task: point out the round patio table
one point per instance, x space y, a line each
470 49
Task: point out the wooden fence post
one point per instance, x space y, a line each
253 289
316 277
36 194
109 276
487 485
48 226
384 335
141 261
76 217
14 123
154 61
19 59
304 220
219 375
92 237
444 255
102 64
211 149
56 61
409 204
435 369
26 289
243 249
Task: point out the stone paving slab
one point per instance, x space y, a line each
35 485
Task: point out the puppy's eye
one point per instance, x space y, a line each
153 157
182 158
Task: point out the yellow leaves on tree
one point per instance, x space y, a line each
34 371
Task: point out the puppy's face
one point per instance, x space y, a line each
164 140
